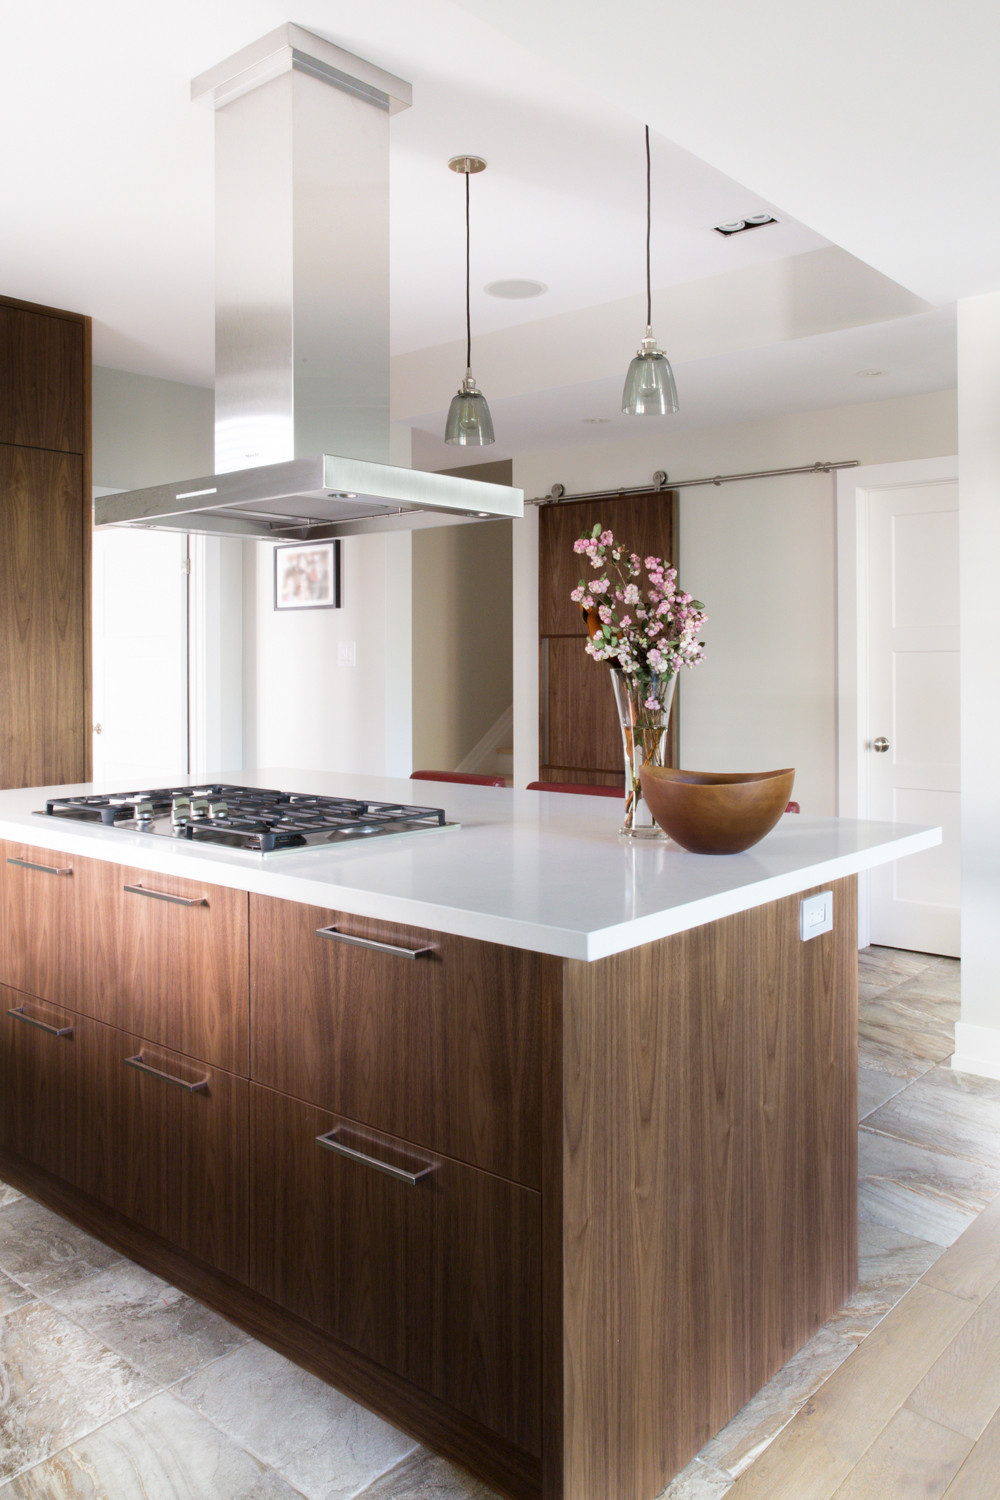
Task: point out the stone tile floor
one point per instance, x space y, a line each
115 1386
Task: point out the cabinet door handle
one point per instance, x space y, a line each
142 890
140 1063
331 1143
20 1014
359 942
29 864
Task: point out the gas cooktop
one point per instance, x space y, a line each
246 817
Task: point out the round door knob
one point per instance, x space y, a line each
97 728
881 744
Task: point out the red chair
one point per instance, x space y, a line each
463 776
576 787
793 807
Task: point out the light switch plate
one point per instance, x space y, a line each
347 653
815 915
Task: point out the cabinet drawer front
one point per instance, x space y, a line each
37 1073
172 959
182 1149
437 1279
442 1049
46 945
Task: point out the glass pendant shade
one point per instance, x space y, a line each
469 423
650 390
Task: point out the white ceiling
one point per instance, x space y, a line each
107 179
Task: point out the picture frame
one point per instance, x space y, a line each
307 575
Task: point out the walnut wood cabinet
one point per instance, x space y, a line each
433 1274
442 1049
557 1219
45 528
148 1133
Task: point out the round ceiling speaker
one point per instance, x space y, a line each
516 287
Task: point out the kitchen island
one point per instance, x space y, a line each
539 1143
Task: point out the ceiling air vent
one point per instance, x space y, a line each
738 226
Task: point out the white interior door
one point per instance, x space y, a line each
911 745
140 658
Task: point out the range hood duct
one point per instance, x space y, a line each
302 313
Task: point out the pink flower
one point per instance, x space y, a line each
577 594
606 538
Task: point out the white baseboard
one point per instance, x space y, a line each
480 756
977 1050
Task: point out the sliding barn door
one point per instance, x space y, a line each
580 738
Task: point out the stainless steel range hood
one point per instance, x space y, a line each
302 313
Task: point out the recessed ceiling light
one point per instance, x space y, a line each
752 221
870 374
516 287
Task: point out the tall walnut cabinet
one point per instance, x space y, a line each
45 528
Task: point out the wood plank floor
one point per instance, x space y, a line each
912 1408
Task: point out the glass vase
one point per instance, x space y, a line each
643 701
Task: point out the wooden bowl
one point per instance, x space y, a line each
716 812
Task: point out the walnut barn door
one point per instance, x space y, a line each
580 739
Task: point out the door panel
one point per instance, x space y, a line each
42 602
43 379
580 739
913 671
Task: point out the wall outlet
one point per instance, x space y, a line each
815 915
347 653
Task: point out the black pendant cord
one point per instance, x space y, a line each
468 314
649 220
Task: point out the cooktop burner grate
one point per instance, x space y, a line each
243 817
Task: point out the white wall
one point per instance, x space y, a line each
150 431
977 1036
300 706
761 555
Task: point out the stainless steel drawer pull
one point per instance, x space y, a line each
331 1143
29 864
360 942
142 890
140 1063
20 1014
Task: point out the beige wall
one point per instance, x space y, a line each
761 555
462 626
150 431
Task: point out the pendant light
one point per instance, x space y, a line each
649 385
469 422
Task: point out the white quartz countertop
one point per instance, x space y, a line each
538 870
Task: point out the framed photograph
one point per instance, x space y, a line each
307 576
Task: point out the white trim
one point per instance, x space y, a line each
398 653
525 588
977 1050
501 733
853 730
